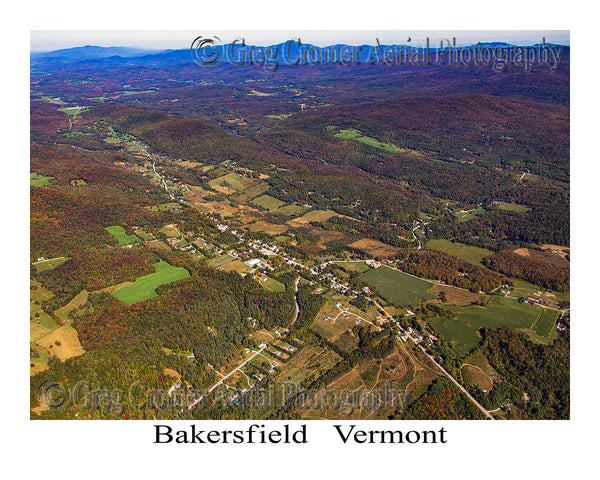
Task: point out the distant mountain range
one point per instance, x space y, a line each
128 56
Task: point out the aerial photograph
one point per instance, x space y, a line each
270 225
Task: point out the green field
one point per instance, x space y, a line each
545 325
37 180
499 312
317 216
397 287
268 202
512 207
234 180
119 233
49 264
351 267
290 210
271 284
144 287
464 216
468 253
218 261
134 148
72 110
354 135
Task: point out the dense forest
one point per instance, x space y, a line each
539 270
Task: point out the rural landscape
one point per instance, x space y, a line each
217 236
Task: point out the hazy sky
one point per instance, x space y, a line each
45 40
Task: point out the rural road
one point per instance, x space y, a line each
297 314
226 377
462 389
416 238
475 402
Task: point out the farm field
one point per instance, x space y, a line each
290 210
271 284
499 312
397 287
144 287
220 260
235 266
458 297
62 342
267 202
79 300
118 232
45 265
37 180
233 180
267 227
545 324
468 253
464 216
359 137
512 207
315 216
351 267
374 248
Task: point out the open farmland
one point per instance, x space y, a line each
499 312
220 260
144 287
468 253
398 287
374 248
268 203
118 232
352 267
44 265
315 216
545 324
512 207
37 180
270 284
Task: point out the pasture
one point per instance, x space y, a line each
372 142
468 253
316 216
234 180
268 202
144 287
512 207
466 215
352 267
267 227
374 248
37 180
398 287
118 232
270 284
235 266
62 343
499 312
290 210
79 300
50 264
547 321
220 260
